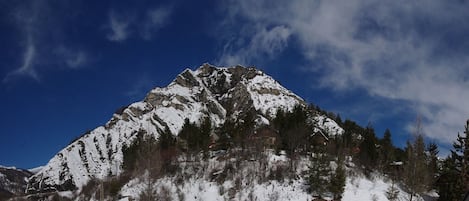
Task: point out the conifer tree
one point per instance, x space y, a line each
337 183
386 151
449 183
196 137
224 135
242 128
293 129
167 148
433 163
319 171
350 128
368 152
461 156
166 139
205 131
454 180
338 120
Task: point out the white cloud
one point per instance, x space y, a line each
397 50
27 65
265 43
119 27
155 20
122 25
39 27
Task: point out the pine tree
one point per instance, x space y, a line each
461 156
224 140
454 180
449 184
319 171
433 163
337 183
166 139
205 131
368 152
350 128
386 151
242 128
196 137
292 128
338 120
167 148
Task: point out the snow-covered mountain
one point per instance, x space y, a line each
13 181
216 93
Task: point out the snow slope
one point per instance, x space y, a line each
198 185
36 169
216 93
361 188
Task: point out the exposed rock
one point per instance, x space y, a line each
186 79
155 99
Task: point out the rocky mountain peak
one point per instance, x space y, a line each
209 92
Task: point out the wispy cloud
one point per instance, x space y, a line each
36 22
27 65
72 58
265 43
155 20
119 27
123 25
394 50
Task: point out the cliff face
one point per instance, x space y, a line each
216 93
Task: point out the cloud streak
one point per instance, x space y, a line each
155 20
397 50
121 26
27 66
37 23
265 43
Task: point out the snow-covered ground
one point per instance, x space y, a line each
36 169
250 181
358 187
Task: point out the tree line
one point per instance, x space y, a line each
415 167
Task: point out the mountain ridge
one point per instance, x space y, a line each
13 181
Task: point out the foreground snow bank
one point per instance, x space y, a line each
247 183
358 187
200 189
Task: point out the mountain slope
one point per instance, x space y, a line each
216 93
13 181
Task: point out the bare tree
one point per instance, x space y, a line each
416 170
149 164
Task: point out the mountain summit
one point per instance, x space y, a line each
219 94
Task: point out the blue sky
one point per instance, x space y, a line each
66 66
